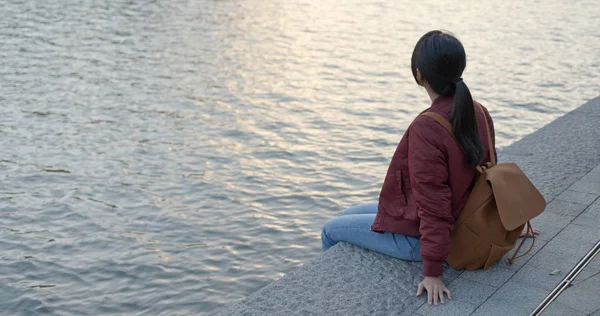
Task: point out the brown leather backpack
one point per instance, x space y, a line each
501 203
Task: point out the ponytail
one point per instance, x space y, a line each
441 59
464 123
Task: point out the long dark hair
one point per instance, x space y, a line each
441 60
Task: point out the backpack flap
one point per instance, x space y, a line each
517 199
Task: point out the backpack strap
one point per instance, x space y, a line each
444 122
528 233
440 119
489 135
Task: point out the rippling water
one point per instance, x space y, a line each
172 157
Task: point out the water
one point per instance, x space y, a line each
172 157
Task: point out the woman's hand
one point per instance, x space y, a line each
435 290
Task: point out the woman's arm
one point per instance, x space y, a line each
428 170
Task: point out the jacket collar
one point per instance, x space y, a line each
442 101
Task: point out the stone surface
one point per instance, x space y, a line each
565 208
520 293
587 273
596 170
592 177
587 220
594 208
552 223
582 296
341 281
450 308
469 291
537 271
587 187
574 240
515 298
493 307
577 197
494 276
519 263
562 159
560 153
557 309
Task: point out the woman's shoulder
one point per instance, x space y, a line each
486 112
429 129
481 106
425 121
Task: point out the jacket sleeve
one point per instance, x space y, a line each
428 171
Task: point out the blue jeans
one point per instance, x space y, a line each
354 226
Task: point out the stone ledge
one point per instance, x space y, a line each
348 280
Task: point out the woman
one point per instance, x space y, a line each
430 174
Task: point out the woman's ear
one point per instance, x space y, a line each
419 77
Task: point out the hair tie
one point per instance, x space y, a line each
457 80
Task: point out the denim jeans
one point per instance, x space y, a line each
354 226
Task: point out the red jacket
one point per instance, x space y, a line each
427 185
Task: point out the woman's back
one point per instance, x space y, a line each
428 179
